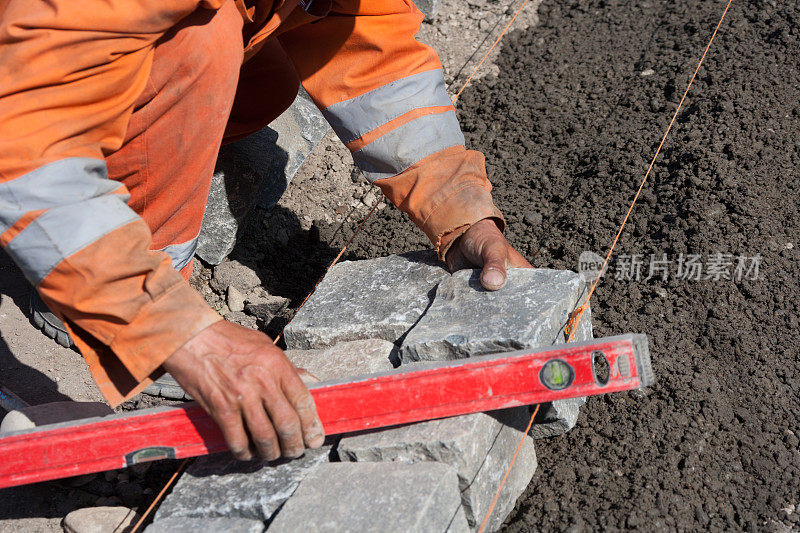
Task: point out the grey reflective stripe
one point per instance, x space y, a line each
61 231
353 118
181 253
402 147
68 181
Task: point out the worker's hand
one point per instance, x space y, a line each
484 246
250 388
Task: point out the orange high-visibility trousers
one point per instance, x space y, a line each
144 92
190 101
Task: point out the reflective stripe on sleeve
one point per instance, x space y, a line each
353 118
404 146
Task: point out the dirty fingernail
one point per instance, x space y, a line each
493 279
315 440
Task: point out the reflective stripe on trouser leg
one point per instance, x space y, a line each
181 254
62 231
67 181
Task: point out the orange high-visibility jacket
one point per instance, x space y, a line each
70 72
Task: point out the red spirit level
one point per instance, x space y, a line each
412 393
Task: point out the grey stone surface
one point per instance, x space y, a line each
466 320
211 525
351 358
220 486
263 305
461 441
257 168
429 7
478 446
560 416
379 497
235 299
485 484
373 299
99 520
235 274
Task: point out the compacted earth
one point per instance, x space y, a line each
707 266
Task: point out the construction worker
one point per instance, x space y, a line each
111 117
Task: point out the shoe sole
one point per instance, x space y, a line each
46 326
166 387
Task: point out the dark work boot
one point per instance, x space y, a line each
166 387
50 324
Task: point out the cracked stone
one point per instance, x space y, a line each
374 497
352 358
191 525
373 299
466 320
220 486
478 446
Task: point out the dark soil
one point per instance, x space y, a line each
569 128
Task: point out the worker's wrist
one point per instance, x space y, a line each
161 328
460 211
444 194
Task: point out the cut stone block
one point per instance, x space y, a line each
478 446
192 525
373 299
560 416
352 358
221 486
377 497
429 7
466 320
531 310
461 441
257 168
486 482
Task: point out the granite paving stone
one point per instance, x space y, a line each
466 320
220 486
478 446
374 497
372 299
185 524
350 358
